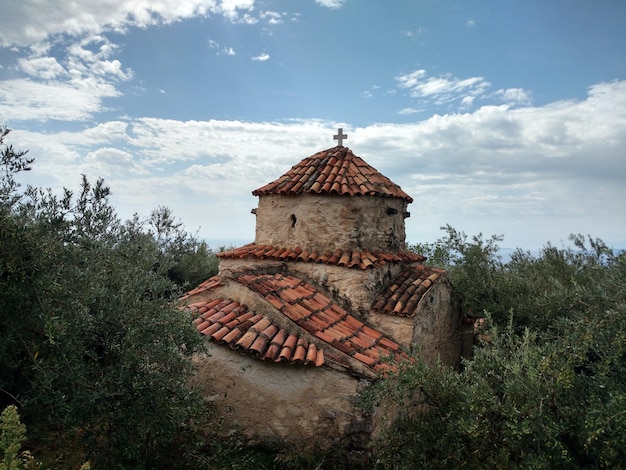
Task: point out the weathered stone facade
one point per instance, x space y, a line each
312 220
302 319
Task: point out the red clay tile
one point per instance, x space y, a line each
243 317
359 343
371 332
319 358
246 340
324 337
300 352
271 354
328 317
385 342
403 295
259 345
345 258
296 312
355 260
232 336
275 301
342 328
279 338
228 317
352 259
343 347
210 330
365 359
311 354
353 322
269 332
202 325
290 343
219 334
336 169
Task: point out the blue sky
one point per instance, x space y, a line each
496 117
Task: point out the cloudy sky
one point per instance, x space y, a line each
496 117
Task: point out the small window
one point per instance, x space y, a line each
293 220
391 211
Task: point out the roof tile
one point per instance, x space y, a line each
241 329
353 259
336 170
209 284
330 323
402 296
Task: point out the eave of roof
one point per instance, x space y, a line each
347 258
232 324
334 171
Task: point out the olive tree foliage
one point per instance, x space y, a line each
92 345
472 266
547 389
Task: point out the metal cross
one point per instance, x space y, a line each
340 136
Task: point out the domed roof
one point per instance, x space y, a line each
334 171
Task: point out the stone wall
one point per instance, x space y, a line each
436 326
280 403
324 221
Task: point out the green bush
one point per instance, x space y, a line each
12 436
547 391
92 345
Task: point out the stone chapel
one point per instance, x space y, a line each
306 315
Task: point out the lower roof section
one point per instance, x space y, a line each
318 330
306 326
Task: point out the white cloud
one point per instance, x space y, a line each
443 89
68 88
85 62
109 162
420 35
405 111
75 100
262 57
369 93
466 102
46 68
231 10
470 23
272 17
331 3
222 50
30 21
514 96
535 174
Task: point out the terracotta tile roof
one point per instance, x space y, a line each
334 171
351 259
317 314
230 323
207 285
401 297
